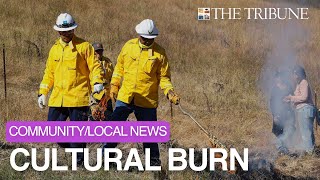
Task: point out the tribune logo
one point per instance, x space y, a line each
253 13
203 14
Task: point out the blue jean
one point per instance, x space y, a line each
121 113
74 114
288 132
305 119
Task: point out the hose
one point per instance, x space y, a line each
213 139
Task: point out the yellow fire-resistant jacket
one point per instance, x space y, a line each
142 71
67 71
107 67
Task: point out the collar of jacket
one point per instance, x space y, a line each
142 46
70 44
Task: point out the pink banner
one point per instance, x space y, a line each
87 131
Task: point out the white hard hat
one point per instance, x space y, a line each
147 29
65 22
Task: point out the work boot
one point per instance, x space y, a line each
309 152
80 163
155 162
134 169
112 166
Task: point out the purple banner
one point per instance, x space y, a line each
87 131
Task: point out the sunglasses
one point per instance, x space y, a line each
66 32
146 39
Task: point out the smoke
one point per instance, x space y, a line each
286 41
285 45
309 3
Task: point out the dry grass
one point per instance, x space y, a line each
215 65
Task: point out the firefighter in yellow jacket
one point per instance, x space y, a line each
107 67
71 60
142 66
